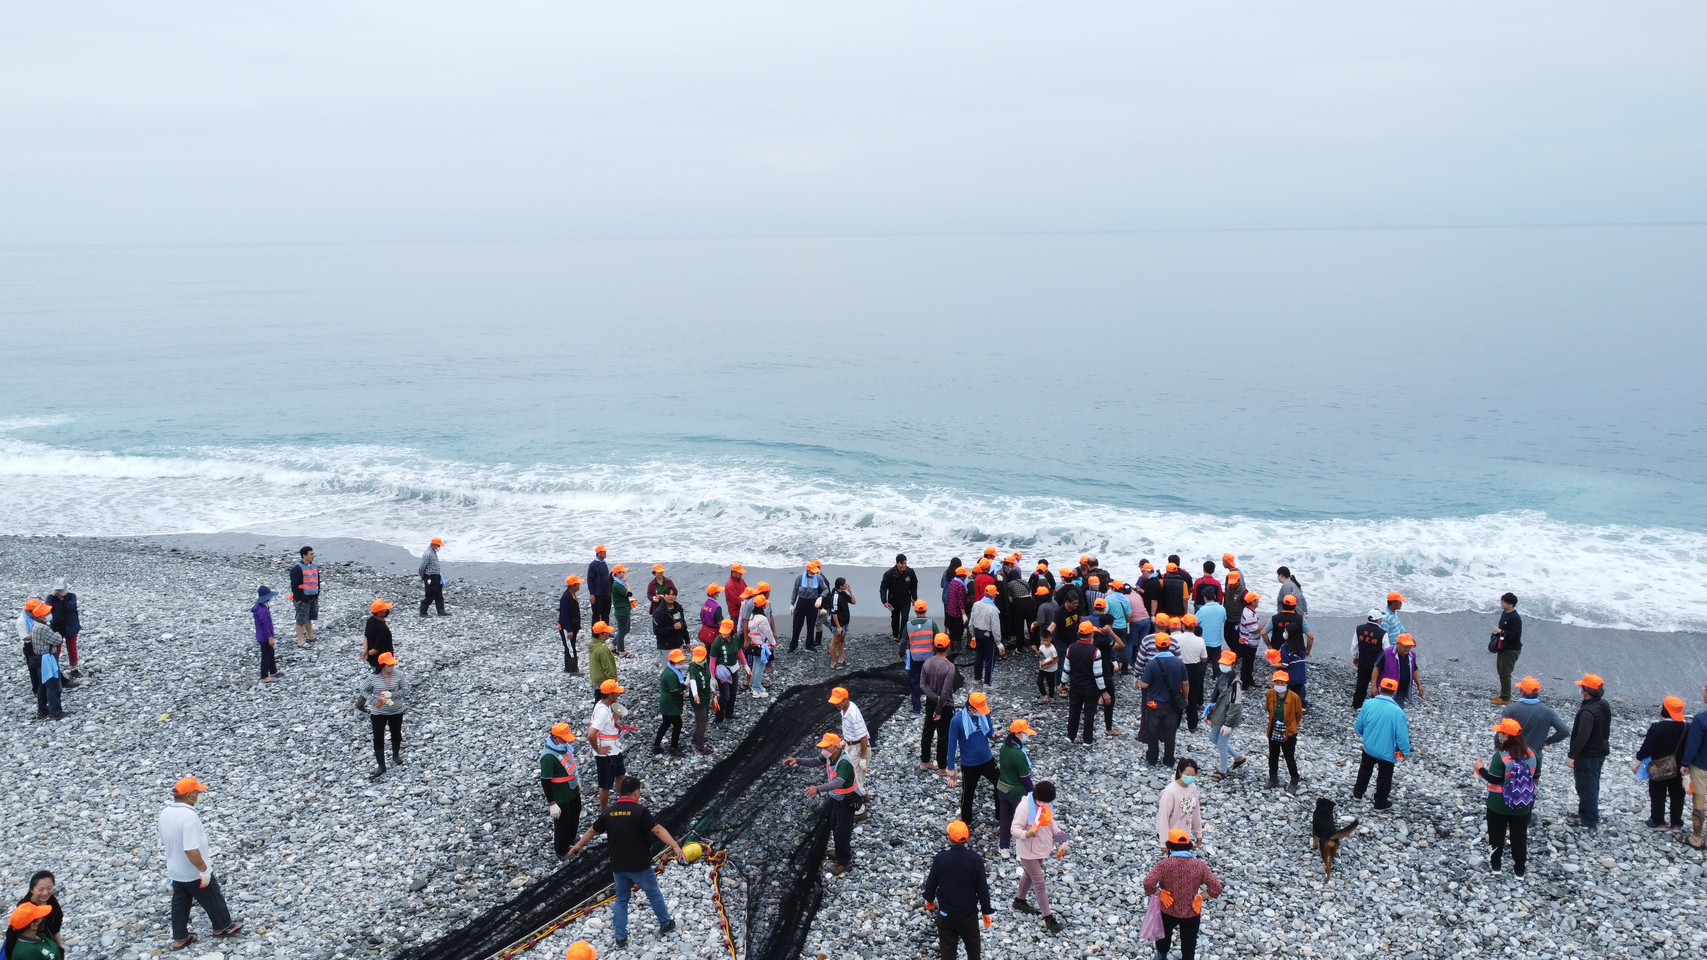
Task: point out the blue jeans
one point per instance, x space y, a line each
647 881
1587 774
1225 746
757 663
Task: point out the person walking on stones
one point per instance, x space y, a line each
970 759
265 635
1542 725
672 689
1013 780
1036 834
937 679
710 614
629 830
376 634
1506 645
1225 710
305 595
726 661
806 598
920 647
856 740
1510 778
1391 625
1285 713
1180 805
384 695
43 649
1590 736
840 785
569 623
735 591
599 585
600 658
897 591
702 696
622 606
67 621
188 868
1662 748
606 734
1386 733
1399 664
1165 689
559 777
1368 646
986 636
432 579
1695 768
957 890
1180 881
1085 679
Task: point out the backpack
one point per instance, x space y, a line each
1519 785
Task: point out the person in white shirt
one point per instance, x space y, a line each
607 740
188 869
761 644
857 742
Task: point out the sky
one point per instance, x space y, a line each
216 122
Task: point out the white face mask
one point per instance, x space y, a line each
1022 738
825 754
1280 689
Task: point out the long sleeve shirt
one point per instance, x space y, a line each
969 739
936 679
598 578
986 617
429 563
958 884
1179 808
1542 725
569 612
1182 876
263 622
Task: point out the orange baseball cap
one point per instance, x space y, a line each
611 686
979 703
657 568
941 641
838 696
37 609
921 606
699 654
1085 559
1041 591
619 570
749 593
28 913
737 568
1148 567
1086 628
573 581
726 627
1117 584
761 601
1406 640
388 659
959 832
1190 620
962 572
1529 685
829 740
601 548
1281 676
1228 559
1069 573
990 590
1390 685
187 786
1395 597
763 587
1510 727
1273 657
563 731
1100 603
1022 726
1228 658
601 628
990 552
676 656
1179 836
379 606
813 566
1674 708
1173 568
1252 599
1591 681
1289 601
981 566
1234 576
1164 641
1093 581
582 950
713 590
437 542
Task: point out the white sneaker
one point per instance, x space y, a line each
1007 854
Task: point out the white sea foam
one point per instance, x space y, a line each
758 511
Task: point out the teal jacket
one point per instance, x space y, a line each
1384 728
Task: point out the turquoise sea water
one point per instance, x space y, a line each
1460 411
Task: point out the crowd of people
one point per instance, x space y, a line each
1192 650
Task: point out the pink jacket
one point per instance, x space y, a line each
1180 808
1041 846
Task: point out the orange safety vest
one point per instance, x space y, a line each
310 579
569 768
921 643
830 774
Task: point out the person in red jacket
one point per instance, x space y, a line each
1180 881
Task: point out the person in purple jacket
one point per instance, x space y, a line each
263 615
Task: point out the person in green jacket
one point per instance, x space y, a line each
672 690
621 606
726 660
702 695
24 937
601 661
1013 781
562 784
1511 795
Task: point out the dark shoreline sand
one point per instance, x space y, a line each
1639 666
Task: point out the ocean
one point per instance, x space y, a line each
1452 413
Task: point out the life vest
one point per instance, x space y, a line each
921 639
310 579
569 765
851 778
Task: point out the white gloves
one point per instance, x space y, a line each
556 812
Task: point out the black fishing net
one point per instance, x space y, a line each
748 804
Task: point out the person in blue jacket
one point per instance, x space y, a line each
1386 733
1695 769
969 752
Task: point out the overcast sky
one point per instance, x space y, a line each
263 121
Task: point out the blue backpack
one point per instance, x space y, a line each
1519 784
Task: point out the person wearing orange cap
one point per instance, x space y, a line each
1506 643
1386 733
1288 634
957 890
1590 738
1087 679
838 613
1542 725
569 623
1194 653
656 588
1233 606
856 739
188 870
432 578
1394 627
601 660
1223 712
1510 778
622 606
1166 691
1179 882
897 590
26 938
841 785
1176 589
1013 780
937 679
761 645
383 696
1071 588
701 696
957 605
920 648
672 690
1285 713
1036 834
376 634
34 613
1014 601
599 585
560 780
710 614
733 590
1400 663
582 950
1662 750
986 625
629 830
806 598
1252 633
41 649
970 759
606 734
1041 577
726 661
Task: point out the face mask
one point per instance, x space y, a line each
825 754
1279 689
1022 738
1188 780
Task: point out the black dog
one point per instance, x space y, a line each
1325 835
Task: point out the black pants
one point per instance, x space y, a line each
956 633
1501 824
1276 748
381 722
1081 704
268 665
1006 805
34 663
674 726
435 594
571 656
841 830
1187 927
951 932
1194 698
210 898
1165 733
984 664
969 777
914 668
1046 683
726 700
805 615
1247 663
898 618
47 699
567 828
1383 780
1366 662
1658 791
937 731
601 608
